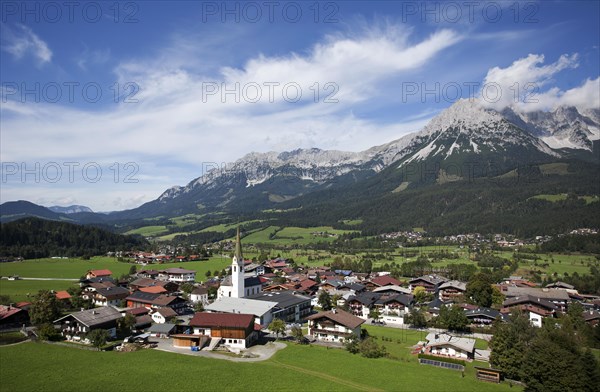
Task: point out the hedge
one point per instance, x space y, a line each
443 359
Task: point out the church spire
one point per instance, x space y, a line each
238 247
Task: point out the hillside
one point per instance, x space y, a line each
36 238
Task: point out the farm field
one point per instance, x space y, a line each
148 231
24 290
297 367
62 268
75 268
292 235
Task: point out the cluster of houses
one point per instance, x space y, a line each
253 295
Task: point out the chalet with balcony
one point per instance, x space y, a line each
360 305
334 326
536 308
452 290
109 296
429 282
232 330
560 298
177 275
155 301
484 317
76 326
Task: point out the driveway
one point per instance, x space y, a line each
257 352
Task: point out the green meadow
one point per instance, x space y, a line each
58 368
149 231
75 268
24 290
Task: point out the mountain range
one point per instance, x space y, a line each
463 143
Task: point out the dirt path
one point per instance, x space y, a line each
328 377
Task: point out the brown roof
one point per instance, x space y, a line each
167 312
385 280
164 300
138 311
200 291
232 320
339 316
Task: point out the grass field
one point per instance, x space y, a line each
62 268
563 196
148 231
294 368
75 268
293 235
24 290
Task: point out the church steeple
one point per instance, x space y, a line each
237 269
238 247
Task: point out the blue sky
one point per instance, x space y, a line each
108 104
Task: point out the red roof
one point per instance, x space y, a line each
385 280
7 311
101 272
232 320
23 304
62 295
153 289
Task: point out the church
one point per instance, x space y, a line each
237 285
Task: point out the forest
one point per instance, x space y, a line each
36 238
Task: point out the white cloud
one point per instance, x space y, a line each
92 57
23 41
525 85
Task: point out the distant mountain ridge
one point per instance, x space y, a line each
70 209
466 128
464 134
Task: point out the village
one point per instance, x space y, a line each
241 314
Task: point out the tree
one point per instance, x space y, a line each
98 337
351 344
132 270
420 294
47 332
370 349
509 344
374 314
127 323
416 318
198 306
186 287
591 371
452 318
78 302
497 296
297 334
277 326
207 274
44 309
5 300
479 290
324 300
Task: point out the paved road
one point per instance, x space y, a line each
69 280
